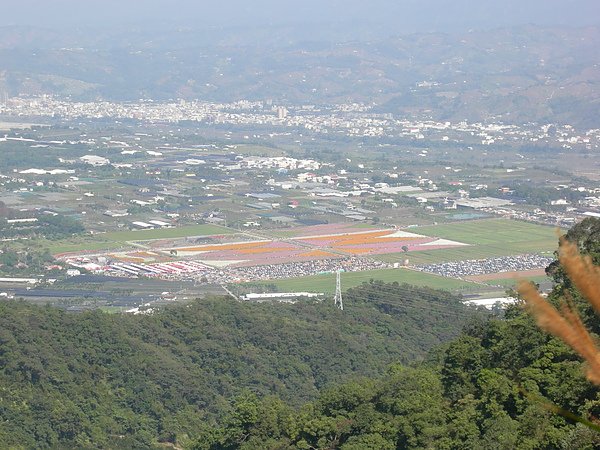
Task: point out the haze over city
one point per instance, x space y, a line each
388 16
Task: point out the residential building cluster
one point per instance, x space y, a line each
354 120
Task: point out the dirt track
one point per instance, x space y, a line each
505 275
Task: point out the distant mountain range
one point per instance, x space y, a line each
513 75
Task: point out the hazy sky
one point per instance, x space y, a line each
395 15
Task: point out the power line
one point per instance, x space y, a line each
398 293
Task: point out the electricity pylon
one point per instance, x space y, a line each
337 300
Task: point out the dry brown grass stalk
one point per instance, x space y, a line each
581 271
568 326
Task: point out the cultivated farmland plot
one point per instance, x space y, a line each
486 238
198 248
315 246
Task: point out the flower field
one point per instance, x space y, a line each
252 253
312 245
378 242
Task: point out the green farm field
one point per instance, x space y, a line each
326 283
486 238
120 239
78 244
166 233
512 282
259 150
501 232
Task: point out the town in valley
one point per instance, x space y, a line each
254 197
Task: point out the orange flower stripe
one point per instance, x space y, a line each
316 253
377 237
142 255
250 251
131 259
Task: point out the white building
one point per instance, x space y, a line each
94 160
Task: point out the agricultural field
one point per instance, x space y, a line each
486 238
511 282
78 244
164 233
122 239
377 242
259 150
500 232
251 253
341 240
326 283
495 277
206 248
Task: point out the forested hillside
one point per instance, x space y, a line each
103 380
489 389
219 374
